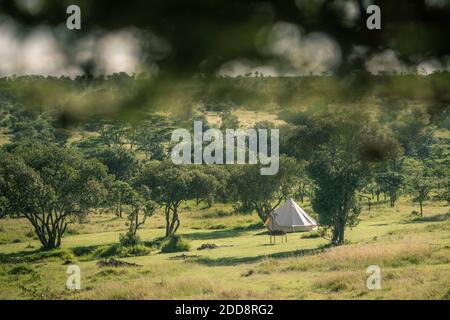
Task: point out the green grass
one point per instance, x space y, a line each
413 254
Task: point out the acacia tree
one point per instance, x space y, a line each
390 182
112 133
151 135
47 185
263 192
142 208
121 195
169 186
419 181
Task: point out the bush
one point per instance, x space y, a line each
119 250
30 234
129 239
175 244
83 251
137 250
311 235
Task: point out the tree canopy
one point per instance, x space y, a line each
49 184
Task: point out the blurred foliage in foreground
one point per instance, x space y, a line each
127 98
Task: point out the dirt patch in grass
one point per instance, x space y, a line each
185 256
111 262
212 246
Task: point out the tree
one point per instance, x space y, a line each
121 162
142 208
263 193
419 182
151 136
47 185
334 200
40 129
390 182
222 176
111 133
204 186
341 165
445 194
122 194
229 121
305 186
3 203
169 186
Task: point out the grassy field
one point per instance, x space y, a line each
413 254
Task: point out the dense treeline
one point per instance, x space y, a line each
341 154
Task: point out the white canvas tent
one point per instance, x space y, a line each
290 218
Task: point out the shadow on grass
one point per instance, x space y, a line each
222 233
233 261
434 218
33 256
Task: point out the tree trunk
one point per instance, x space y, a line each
48 231
421 208
338 235
167 212
392 203
172 223
261 214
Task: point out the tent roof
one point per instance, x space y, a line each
291 214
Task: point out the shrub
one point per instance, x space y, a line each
30 234
83 251
138 250
59 254
175 244
311 235
129 239
107 251
122 251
